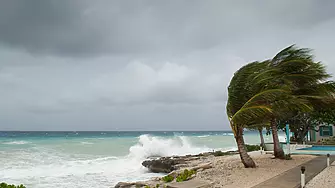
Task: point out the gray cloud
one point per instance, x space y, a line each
92 28
89 65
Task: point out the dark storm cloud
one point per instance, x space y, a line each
93 65
92 28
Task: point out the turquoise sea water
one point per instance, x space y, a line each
97 159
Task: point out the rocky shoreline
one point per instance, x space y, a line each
175 166
214 170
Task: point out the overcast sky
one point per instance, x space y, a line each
142 65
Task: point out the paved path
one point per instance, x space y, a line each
291 178
325 179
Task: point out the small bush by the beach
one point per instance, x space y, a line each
157 186
288 157
5 185
168 178
218 153
328 141
186 175
252 147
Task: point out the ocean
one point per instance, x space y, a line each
98 159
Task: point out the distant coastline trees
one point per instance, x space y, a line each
276 90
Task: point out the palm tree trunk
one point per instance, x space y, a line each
245 158
261 136
278 151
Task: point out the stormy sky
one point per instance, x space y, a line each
142 65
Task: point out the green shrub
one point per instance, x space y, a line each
185 175
5 185
252 147
327 141
168 178
288 157
220 153
157 186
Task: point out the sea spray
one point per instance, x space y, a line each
56 165
151 146
95 160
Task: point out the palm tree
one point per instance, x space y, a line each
259 128
249 103
307 81
260 131
266 91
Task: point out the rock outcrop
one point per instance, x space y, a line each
162 165
169 164
129 185
174 166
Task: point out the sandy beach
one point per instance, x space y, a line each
229 172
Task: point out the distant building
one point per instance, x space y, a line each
323 132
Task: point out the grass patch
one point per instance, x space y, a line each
221 153
157 186
288 157
5 185
186 175
252 147
168 178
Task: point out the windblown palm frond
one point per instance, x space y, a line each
248 100
292 53
240 89
251 114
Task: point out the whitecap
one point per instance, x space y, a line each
149 146
203 136
228 134
86 143
16 143
54 168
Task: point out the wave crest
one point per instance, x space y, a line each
151 146
16 143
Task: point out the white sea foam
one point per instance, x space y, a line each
71 163
60 165
149 146
228 134
16 143
86 143
203 136
44 166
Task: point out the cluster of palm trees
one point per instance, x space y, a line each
262 93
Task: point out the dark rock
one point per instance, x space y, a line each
169 164
162 165
129 185
123 185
